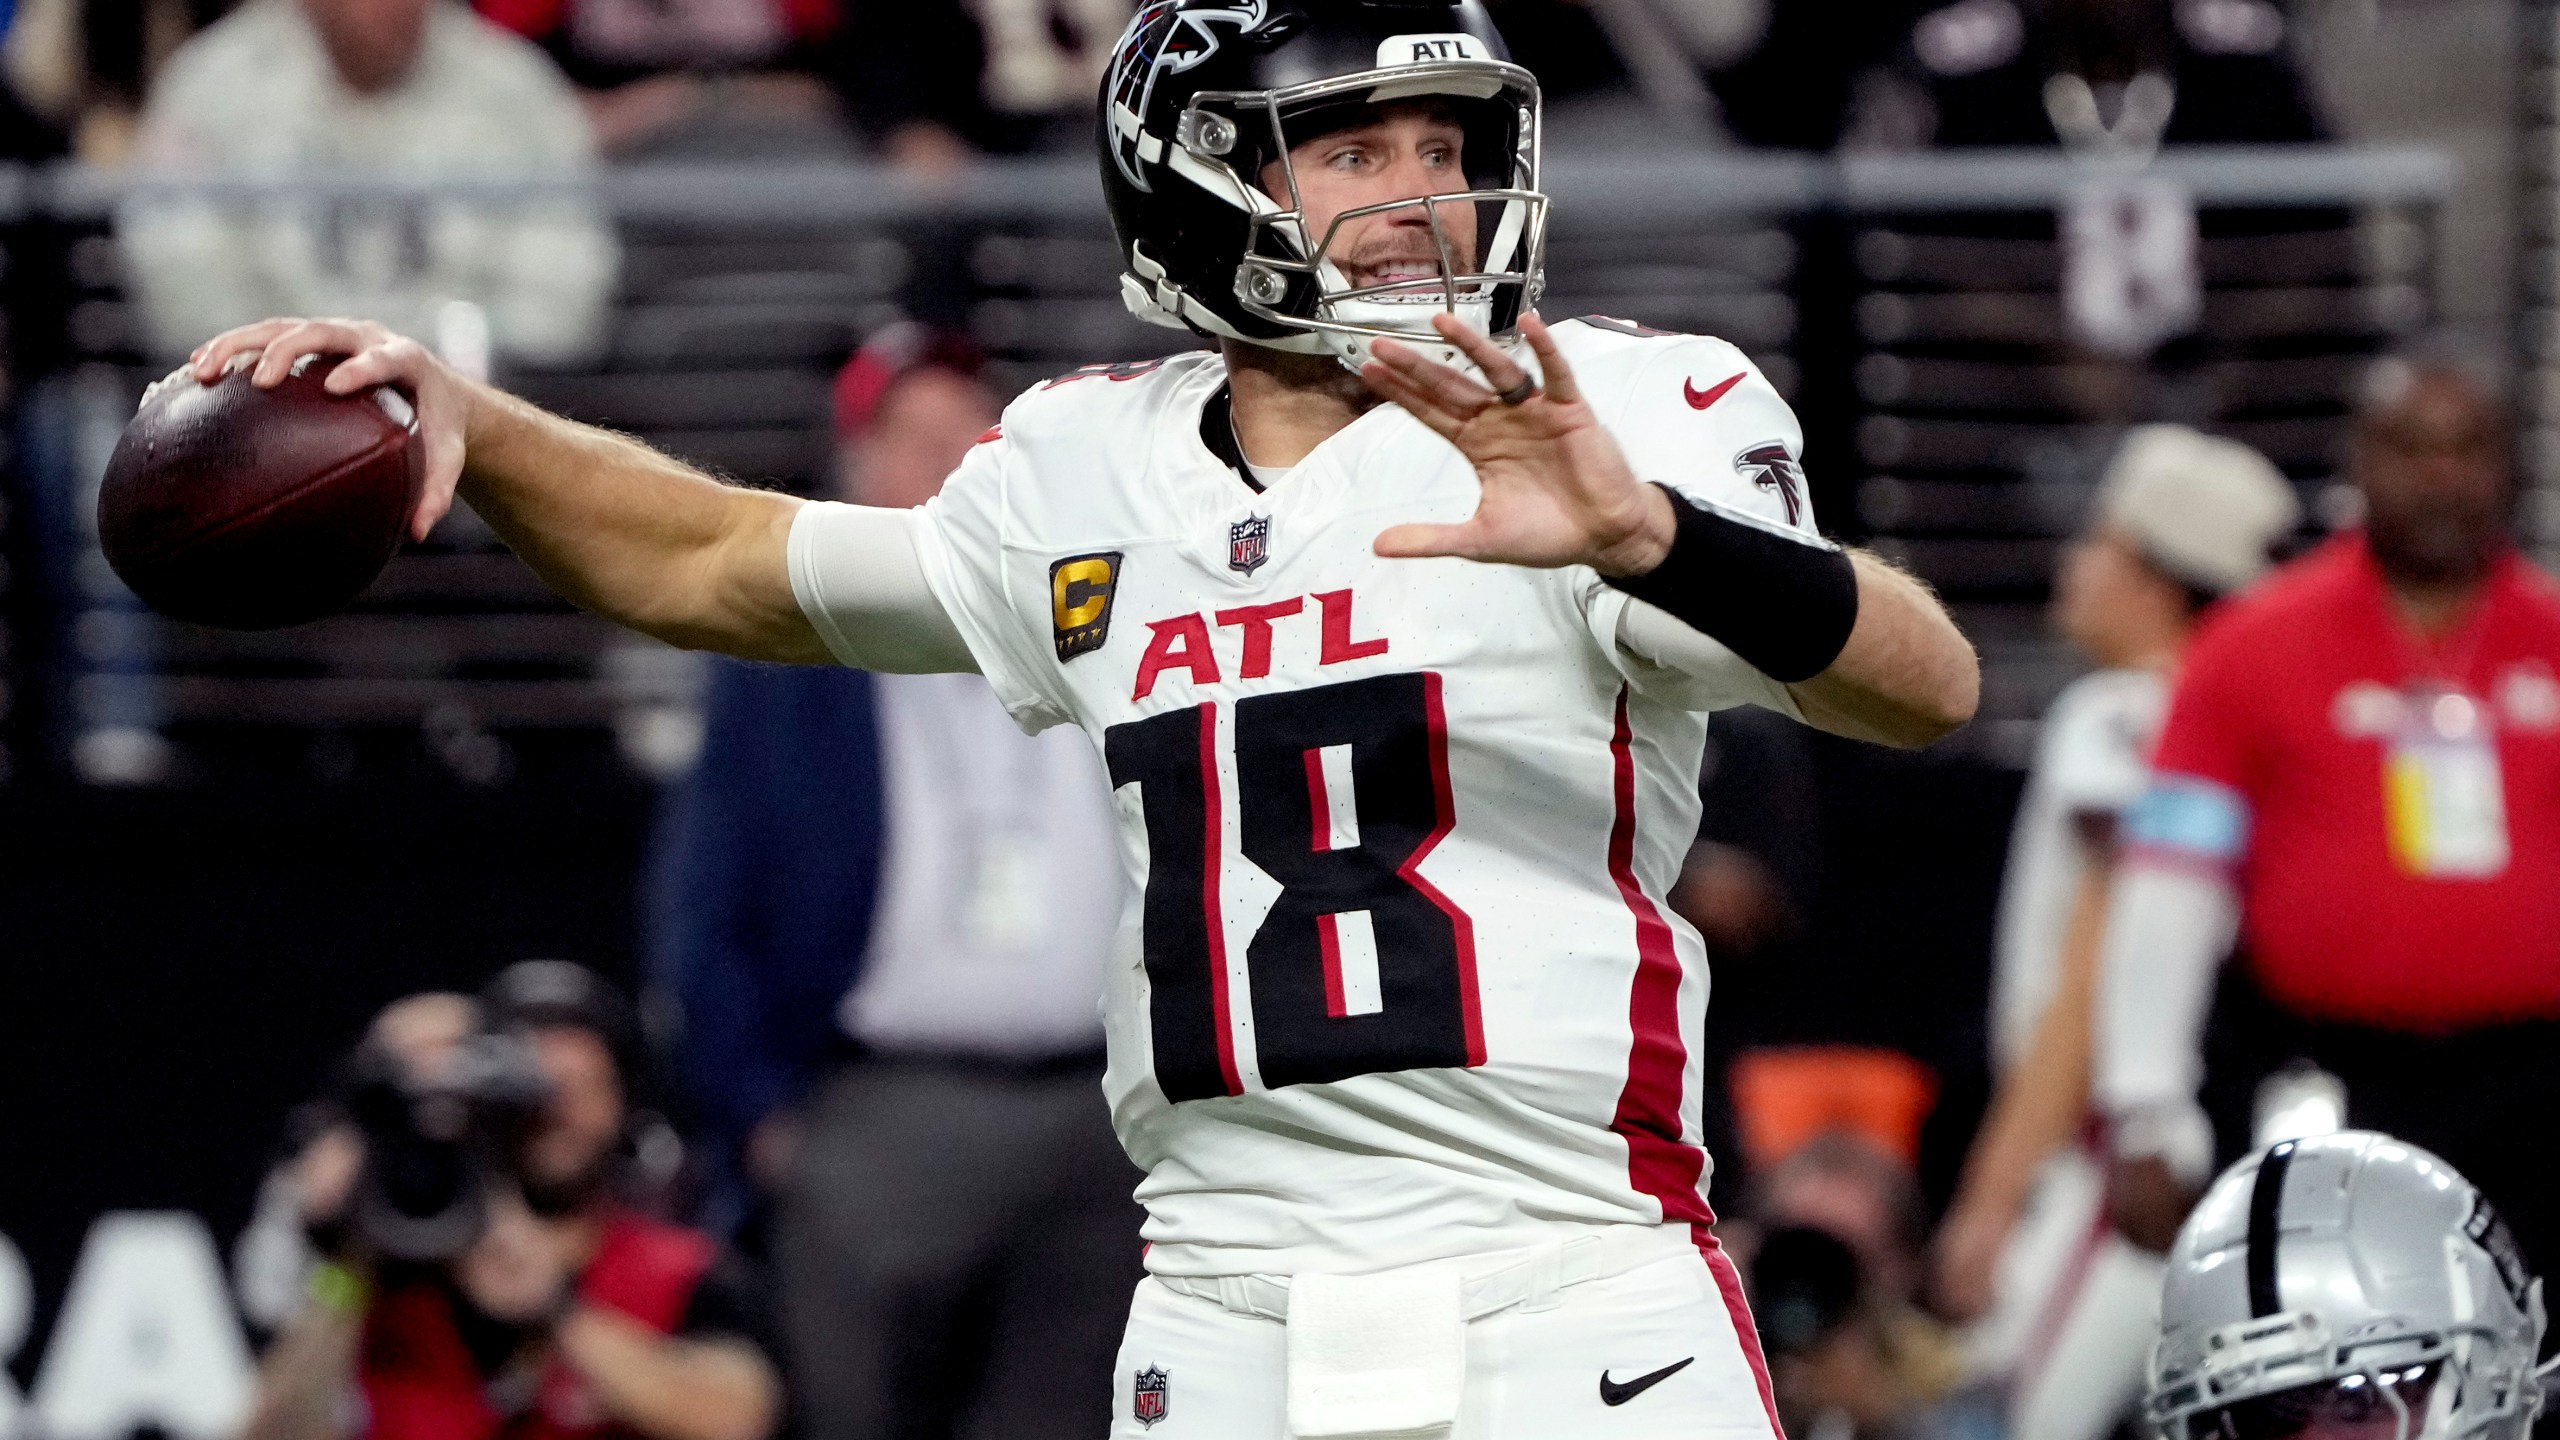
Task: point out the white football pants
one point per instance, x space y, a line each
1658 1346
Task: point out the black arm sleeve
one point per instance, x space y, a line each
1781 600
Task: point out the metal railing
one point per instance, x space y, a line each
1910 306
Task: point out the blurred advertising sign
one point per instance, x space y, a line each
147 1339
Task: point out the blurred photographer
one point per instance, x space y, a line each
480 1277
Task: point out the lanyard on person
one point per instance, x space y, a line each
2444 790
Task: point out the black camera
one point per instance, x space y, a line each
434 1144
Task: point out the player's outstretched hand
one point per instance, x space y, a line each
1557 489
377 357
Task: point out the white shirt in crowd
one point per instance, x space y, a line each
1000 885
255 98
2090 764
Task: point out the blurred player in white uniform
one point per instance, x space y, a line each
1400 669
2065 1303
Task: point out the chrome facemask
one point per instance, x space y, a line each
1287 281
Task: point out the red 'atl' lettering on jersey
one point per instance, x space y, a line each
1256 620
1182 642
1338 644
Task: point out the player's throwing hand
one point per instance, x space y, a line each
377 357
1557 489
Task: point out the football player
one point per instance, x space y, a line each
1396 617
2345 1287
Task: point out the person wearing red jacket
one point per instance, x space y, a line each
2358 788
568 1316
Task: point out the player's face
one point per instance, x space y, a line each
582 1121
2433 468
1405 151
2107 599
2385 1406
372 43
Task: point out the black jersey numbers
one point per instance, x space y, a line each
1361 965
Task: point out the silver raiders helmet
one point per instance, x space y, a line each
2345 1285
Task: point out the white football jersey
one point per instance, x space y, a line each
1402 984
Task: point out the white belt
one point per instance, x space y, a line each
1528 1279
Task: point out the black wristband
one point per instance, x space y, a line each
1782 600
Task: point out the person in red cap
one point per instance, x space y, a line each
885 916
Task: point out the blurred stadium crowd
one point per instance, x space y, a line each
824 1154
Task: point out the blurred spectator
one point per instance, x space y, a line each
2181 519
511 1297
1748 886
657 75
1792 89
886 915
1751 877
1848 1186
2359 779
395 91
84 65
1834 1236
1840 1366
2090 75
933 81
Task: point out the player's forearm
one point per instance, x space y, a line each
2041 1103
668 1388
635 536
1906 677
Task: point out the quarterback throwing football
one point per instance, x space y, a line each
1396 618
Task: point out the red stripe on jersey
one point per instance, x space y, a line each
1319 803
1659 1162
1460 923
1329 940
1745 1329
1212 911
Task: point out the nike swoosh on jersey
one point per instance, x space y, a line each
1619 1392
1701 399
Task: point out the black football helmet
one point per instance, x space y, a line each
1202 96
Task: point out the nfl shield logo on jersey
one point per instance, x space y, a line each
1148 1407
1248 544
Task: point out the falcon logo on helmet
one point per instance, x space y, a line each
1203 98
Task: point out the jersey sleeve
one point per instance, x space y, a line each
2095 761
961 539
2195 811
1695 414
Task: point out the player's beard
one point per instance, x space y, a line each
1406 255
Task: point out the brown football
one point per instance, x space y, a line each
229 505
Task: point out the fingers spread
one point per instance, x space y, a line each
1453 392
1424 406
1501 371
1559 376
